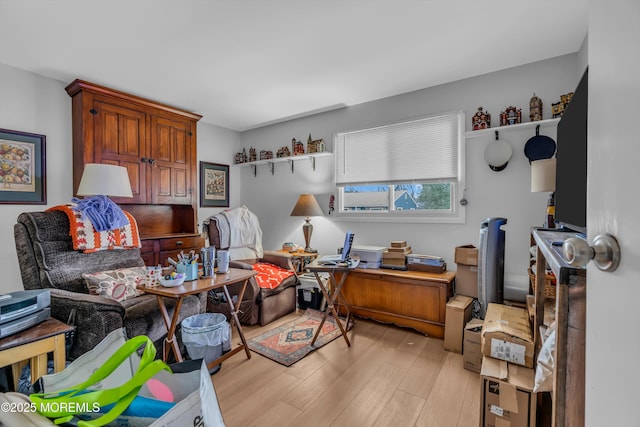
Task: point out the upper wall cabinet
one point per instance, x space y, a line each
157 145
155 142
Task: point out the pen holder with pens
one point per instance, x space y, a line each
189 269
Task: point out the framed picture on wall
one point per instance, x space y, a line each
214 185
22 168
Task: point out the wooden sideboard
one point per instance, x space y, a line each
411 299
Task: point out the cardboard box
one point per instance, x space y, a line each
506 334
471 345
457 314
467 255
467 280
507 397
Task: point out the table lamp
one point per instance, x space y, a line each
543 179
307 206
101 181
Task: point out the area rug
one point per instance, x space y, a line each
291 341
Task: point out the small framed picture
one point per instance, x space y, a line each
214 185
22 168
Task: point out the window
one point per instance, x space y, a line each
412 170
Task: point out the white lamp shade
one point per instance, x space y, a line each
108 180
543 175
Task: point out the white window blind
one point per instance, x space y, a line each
416 150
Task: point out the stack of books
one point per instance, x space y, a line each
395 256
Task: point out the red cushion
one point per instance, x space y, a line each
270 276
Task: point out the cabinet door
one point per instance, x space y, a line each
172 150
119 139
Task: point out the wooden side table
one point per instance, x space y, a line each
33 345
300 259
178 293
335 294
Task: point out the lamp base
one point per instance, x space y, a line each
307 229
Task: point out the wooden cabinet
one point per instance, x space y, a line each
412 299
155 142
157 145
568 396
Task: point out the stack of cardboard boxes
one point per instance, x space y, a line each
396 255
500 348
507 376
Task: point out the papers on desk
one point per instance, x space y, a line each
350 263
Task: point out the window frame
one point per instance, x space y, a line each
457 213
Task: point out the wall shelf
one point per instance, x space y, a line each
519 126
290 159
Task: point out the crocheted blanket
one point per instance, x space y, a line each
87 239
270 276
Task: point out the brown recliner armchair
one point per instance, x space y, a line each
48 261
258 305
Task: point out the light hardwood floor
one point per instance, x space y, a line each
390 376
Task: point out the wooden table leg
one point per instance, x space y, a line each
171 323
330 306
59 353
236 320
38 366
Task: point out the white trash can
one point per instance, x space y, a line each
206 336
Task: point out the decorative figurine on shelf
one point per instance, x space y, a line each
283 152
511 116
535 109
557 108
315 145
481 120
241 157
266 155
297 147
252 154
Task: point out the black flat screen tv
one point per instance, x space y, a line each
571 166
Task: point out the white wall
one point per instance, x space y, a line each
506 194
219 145
37 104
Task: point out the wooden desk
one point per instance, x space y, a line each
178 293
33 345
336 292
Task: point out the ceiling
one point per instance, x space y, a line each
243 64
